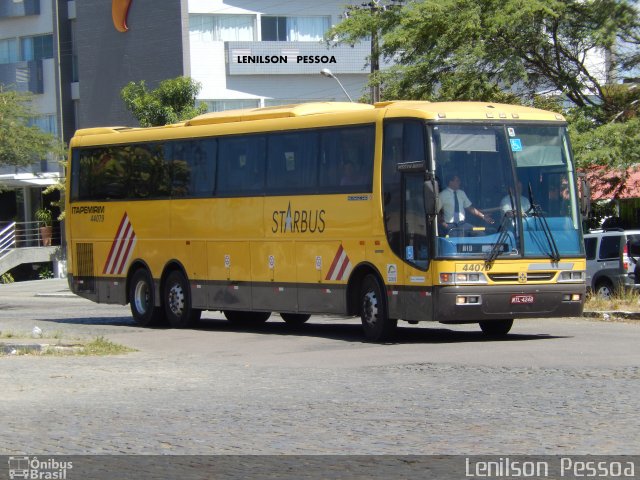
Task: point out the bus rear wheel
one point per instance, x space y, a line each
246 318
376 323
496 327
295 318
177 301
142 300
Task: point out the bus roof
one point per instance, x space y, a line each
469 111
281 111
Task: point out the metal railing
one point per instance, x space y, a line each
27 234
7 239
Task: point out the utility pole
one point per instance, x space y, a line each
375 56
376 10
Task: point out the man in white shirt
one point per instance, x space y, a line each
507 204
454 204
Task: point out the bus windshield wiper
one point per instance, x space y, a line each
536 211
506 219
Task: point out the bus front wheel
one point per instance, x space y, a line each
496 327
142 300
376 323
177 301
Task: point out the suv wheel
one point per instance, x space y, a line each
604 289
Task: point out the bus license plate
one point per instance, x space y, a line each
521 299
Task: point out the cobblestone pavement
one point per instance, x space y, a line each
553 386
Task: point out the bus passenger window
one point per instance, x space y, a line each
192 165
292 162
241 165
346 159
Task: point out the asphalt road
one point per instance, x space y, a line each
553 386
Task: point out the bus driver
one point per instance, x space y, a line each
453 202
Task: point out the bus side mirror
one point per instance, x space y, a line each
430 194
585 195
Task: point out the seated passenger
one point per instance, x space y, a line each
508 203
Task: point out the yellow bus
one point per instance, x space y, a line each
331 208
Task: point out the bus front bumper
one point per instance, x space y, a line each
470 304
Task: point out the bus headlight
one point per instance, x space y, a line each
462 278
572 276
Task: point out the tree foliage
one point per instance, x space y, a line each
21 144
476 49
174 100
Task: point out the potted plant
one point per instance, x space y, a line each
45 217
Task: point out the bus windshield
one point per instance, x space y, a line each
506 191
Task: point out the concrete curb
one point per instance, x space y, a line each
606 314
37 348
56 295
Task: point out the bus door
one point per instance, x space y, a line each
406 222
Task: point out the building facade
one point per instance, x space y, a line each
29 63
245 53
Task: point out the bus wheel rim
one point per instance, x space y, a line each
370 308
141 297
176 300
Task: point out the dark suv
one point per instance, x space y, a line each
612 256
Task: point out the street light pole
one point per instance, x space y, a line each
327 73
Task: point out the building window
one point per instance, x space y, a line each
8 51
36 48
46 123
294 29
221 28
221 105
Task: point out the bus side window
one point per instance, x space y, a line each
346 159
241 165
292 162
192 167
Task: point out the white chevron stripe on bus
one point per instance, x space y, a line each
121 248
341 266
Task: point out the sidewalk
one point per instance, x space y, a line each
54 287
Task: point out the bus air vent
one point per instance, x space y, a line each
513 277
84 268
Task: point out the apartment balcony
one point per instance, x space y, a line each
19 8
295 58
23 76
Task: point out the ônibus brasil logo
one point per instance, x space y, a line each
34 468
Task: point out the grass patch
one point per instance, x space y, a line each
102 346
628 301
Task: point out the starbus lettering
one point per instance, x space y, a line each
298 221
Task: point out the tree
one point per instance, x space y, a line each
474 49
21 144
173 101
